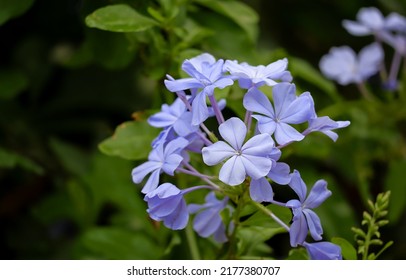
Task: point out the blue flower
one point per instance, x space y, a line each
206 74
370 22
289 109
163 158
174 116
305 219
166 203
255 76
250 159
323 251
344 66
324 124
208 220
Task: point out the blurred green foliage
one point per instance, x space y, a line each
73 71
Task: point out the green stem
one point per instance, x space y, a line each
271 214
191 240
365 92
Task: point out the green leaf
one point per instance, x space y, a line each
119 244
243 15
11 8
396 183
119 18
131 140
12 83
347 250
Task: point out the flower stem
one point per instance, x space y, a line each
271 214
364 91
191 240
217 111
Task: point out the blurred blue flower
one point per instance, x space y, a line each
166 203
289 109
206 74
208 220
163 158
344 66
250 159
370 21
305 219
323 251
255 76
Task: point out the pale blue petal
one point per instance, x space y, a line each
175 146
370 60
275 68
261 145
298 230
216 70
265 124
355 28
314 224
152 182
220 234
232 172
179 218
216 153
283 95
323 251
199 109
280 173
183 126
298 185
261 190
284 134
207 222
161 207
172 162
299 111
183 84
233 131
256 166
162 119
318 194
139 172
223 82
255 101
371 17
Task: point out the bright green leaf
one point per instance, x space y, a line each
131 140
347 250
11 8
119 18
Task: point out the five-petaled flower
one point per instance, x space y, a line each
166 203
163 158
205 74
289 109
345 66
208 221
305 219
251 158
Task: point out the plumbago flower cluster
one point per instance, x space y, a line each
244 155
343 65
